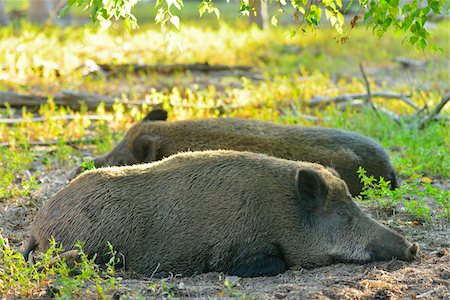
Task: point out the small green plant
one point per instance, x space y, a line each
229 290
413 194
63 153
15 177
87 164
229 287
52 274
163 288
376 191
418 208
104 141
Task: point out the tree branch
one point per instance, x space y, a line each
435 112
51 143
43 119
317 100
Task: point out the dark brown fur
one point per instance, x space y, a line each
341 150
241 213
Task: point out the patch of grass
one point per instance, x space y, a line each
418 196
47 277
87 164
16 179
229 290
426 151
163 288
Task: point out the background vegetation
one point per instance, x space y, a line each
286 74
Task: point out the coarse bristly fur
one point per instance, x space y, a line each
153 139
242 213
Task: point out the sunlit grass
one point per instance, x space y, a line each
51 276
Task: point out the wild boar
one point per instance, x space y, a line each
154 139
241 213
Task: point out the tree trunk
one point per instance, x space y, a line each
262 17
4 19
42 11
39 10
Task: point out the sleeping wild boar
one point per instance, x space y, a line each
153 139
241 213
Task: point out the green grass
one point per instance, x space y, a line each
414 194
15 177
54 277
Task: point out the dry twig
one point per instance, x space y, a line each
54 118
435 112
369 95
315 101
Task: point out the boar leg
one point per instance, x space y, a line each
258 265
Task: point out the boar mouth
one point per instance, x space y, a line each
407 252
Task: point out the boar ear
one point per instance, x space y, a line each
157 114
146 147
312 189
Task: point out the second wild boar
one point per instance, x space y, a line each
153 139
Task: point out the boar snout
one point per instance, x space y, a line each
412 252
394 247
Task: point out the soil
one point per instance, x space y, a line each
428 277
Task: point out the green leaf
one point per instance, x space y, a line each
436 7
217 12
127 24
178 4
170 3
387 22
406 8
175 20
274 21
423 20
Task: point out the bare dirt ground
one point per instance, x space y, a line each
426 278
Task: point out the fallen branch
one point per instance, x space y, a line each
408 63
168 69
74 99
436 111
316 100
54 118
426 294
51 143
71 99
353 103
392 115
298 114
361 104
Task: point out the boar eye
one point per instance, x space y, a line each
342 212
346 214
